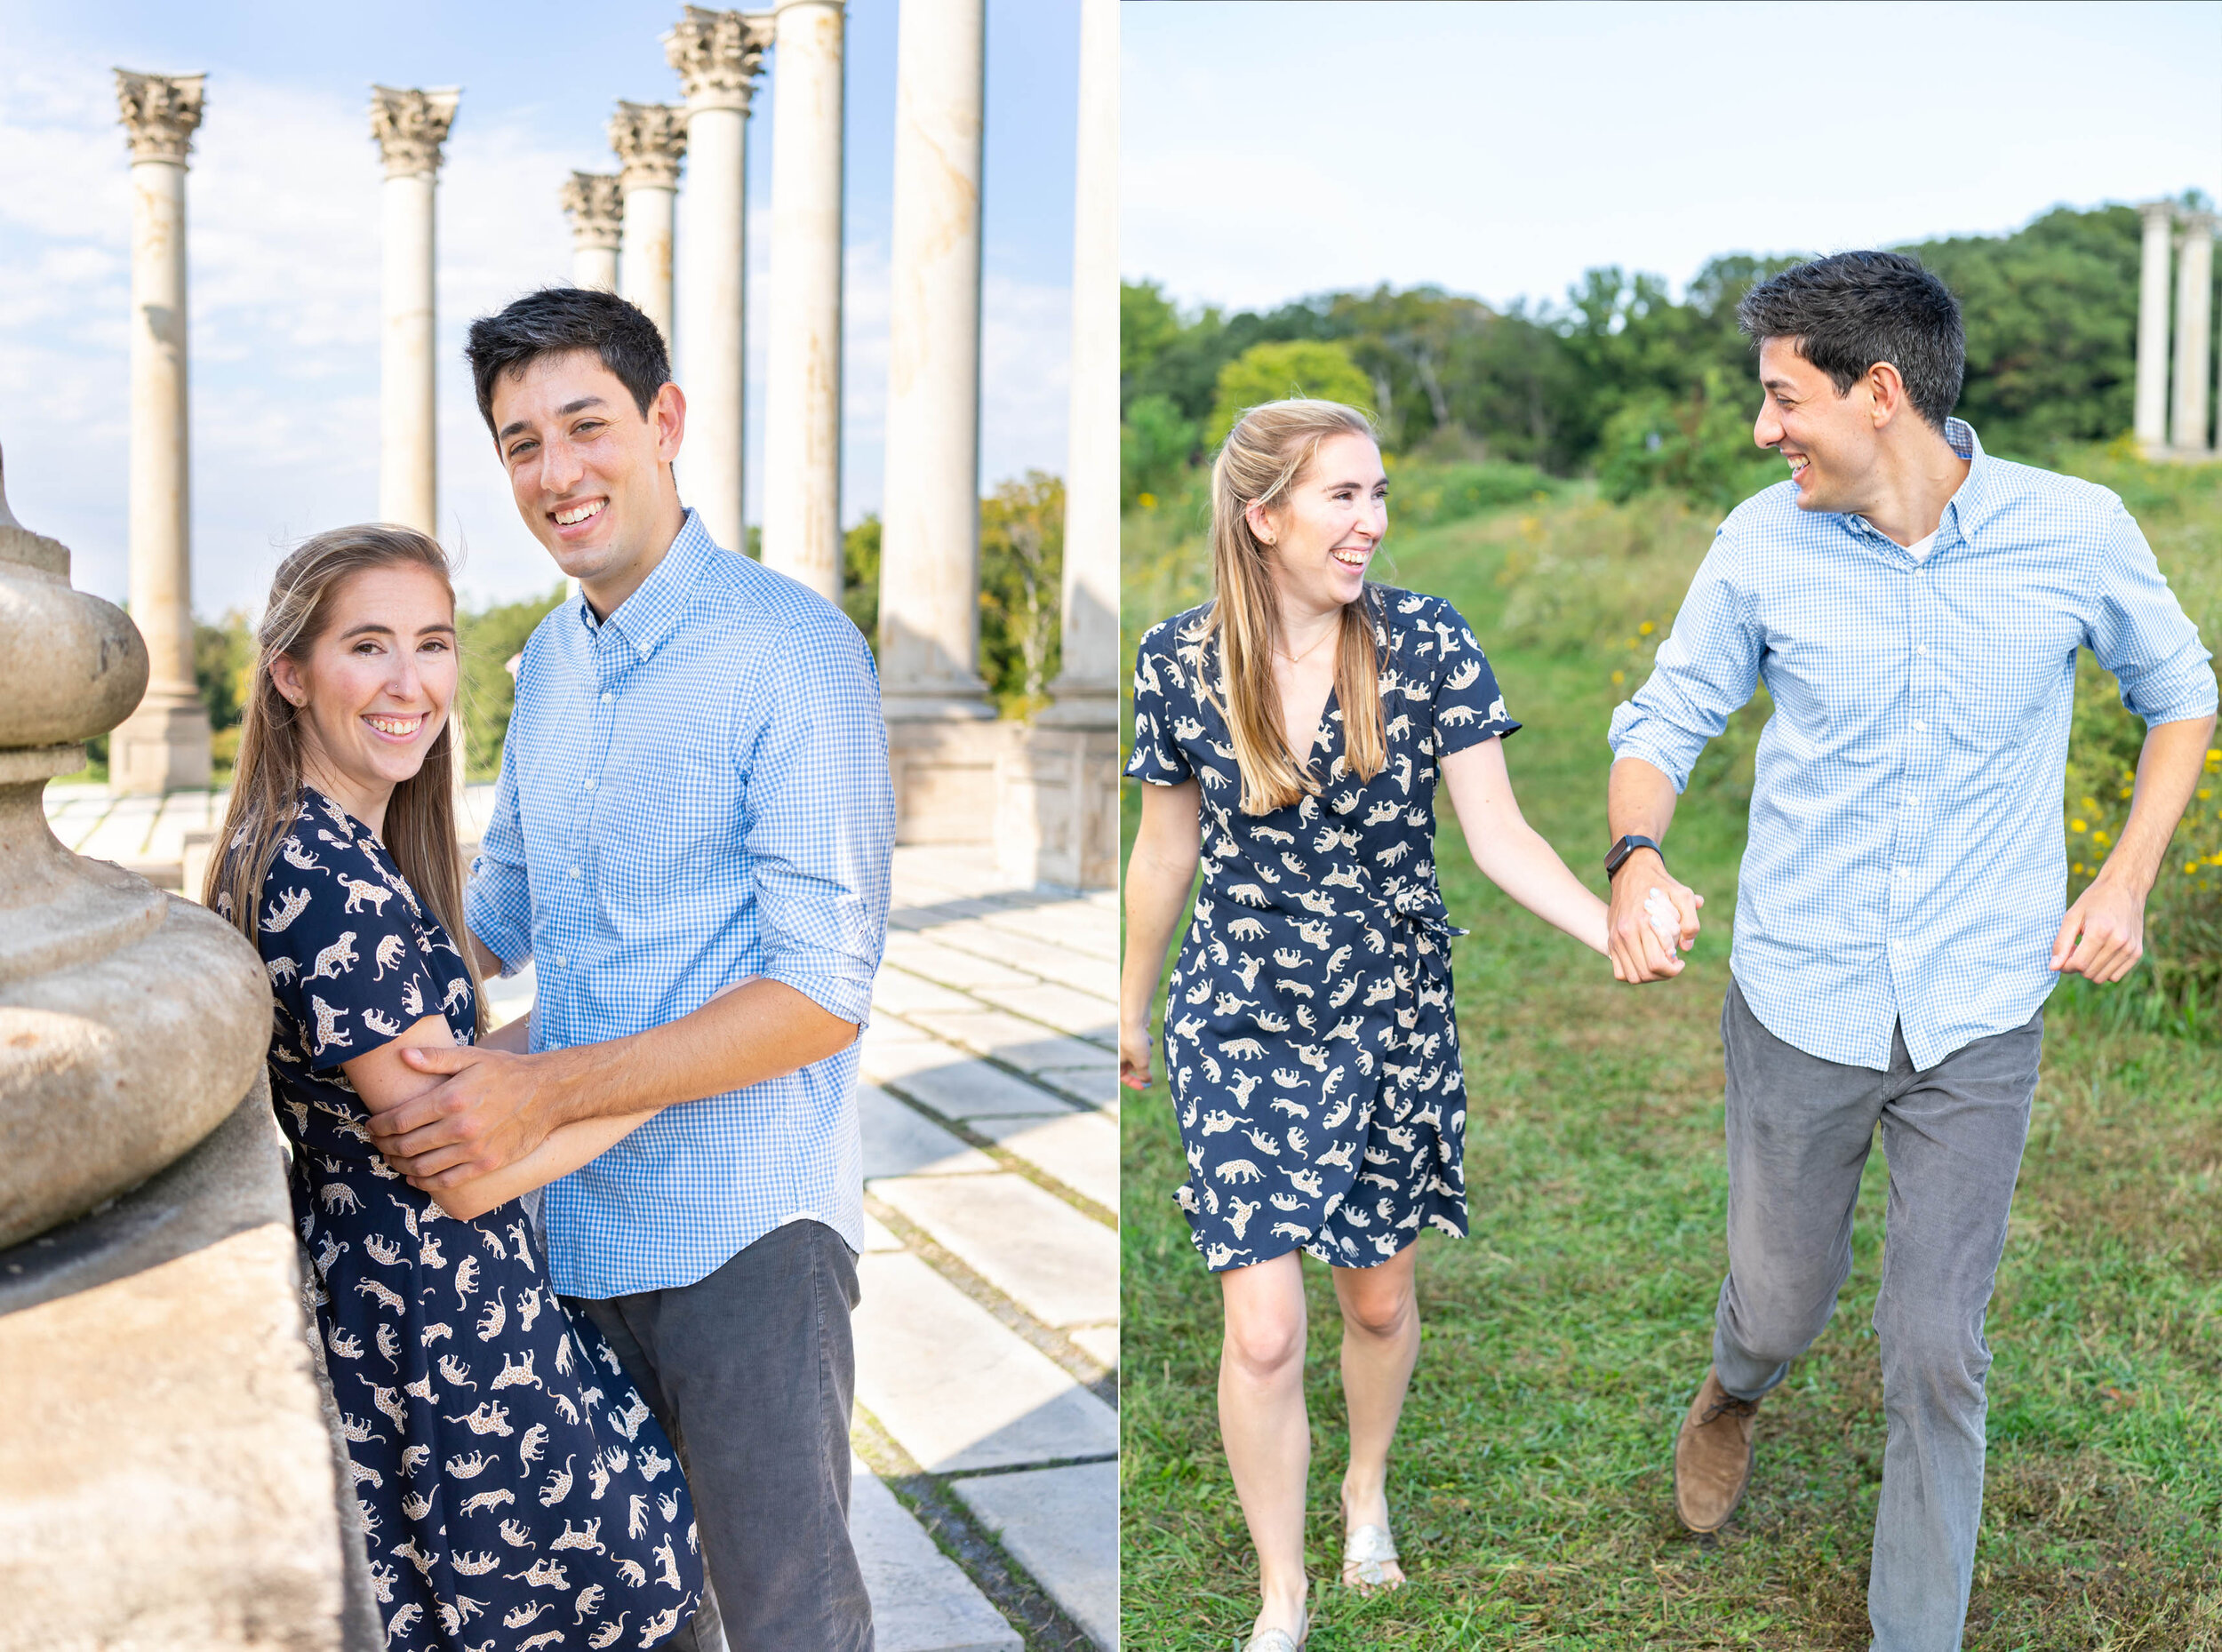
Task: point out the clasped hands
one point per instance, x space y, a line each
1645 901
495 1107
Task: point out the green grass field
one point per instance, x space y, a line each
1531 1484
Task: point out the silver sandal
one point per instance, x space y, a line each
1367 1550
1279 1640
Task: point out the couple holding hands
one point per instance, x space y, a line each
1915 608
582 1283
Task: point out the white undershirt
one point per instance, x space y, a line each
1920 548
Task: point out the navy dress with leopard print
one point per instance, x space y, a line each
515 1493
1310 1036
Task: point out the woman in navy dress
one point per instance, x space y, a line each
515 1493
1291 733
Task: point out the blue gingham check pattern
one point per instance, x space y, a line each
1907 862
694 792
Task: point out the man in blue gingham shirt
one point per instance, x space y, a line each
1915 609
690 843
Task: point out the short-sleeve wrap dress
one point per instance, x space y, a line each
515 1493
1310 1040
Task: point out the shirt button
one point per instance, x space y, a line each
1919 727
607 696
574 871
590 777
561 963
1919 648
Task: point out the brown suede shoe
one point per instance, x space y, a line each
1713 1456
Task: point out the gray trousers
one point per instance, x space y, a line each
1799 1129
752 1373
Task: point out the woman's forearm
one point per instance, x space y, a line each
1519 861
1155 894
567 1148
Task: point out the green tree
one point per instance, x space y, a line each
1269 372
223 663
1021 565
861 578
1156 446
489 639
1700 446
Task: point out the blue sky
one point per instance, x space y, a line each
1498 150
283 204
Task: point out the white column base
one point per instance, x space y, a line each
161 747
1042 802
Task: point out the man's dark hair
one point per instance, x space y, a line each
1850 310
557 320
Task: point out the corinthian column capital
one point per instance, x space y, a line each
595 208
649 139
2162 210
718 55
159 113
410 126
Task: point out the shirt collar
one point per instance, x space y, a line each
653 611
1969 503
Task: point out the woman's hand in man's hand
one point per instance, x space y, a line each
1134 1055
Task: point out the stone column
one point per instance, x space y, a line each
802 437
1087 688
597 217
2194 335
410 125
163 745
930 548
718 55
650 138
2152 381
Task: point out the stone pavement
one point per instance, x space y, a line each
987 1430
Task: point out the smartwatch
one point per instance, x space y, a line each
1618 855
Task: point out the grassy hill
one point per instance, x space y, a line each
1531 1484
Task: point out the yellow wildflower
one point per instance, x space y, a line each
2077 826
1618 677
1646 628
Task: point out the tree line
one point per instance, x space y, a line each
1620 379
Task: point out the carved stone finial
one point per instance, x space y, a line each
718 55
160 112
649 139
410 126
596 210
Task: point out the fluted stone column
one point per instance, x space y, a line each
930 544
718 55
2151 380
597 211
2194 334
409 125
650 139
802 437
163 745
1087 689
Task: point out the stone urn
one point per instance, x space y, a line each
168 1476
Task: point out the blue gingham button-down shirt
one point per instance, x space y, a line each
1907 863
694 791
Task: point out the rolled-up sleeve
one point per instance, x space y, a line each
819 818
2140 633
1707 670
497 905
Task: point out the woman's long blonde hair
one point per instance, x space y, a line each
420 826
1264 455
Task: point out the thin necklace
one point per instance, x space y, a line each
1298 660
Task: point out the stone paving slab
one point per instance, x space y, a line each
897 991
957 1086
922 956
1079 1149
1026 1045
876 1237
1095 1081
1076 926
1061 1524
1099 1342
954 1387
1065 1272
1066 1008
922 1600
1031 951
901 1141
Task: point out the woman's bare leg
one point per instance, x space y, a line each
1261 1419
1380 1343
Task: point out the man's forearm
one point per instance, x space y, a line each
1639 801
2168 770
761 1029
